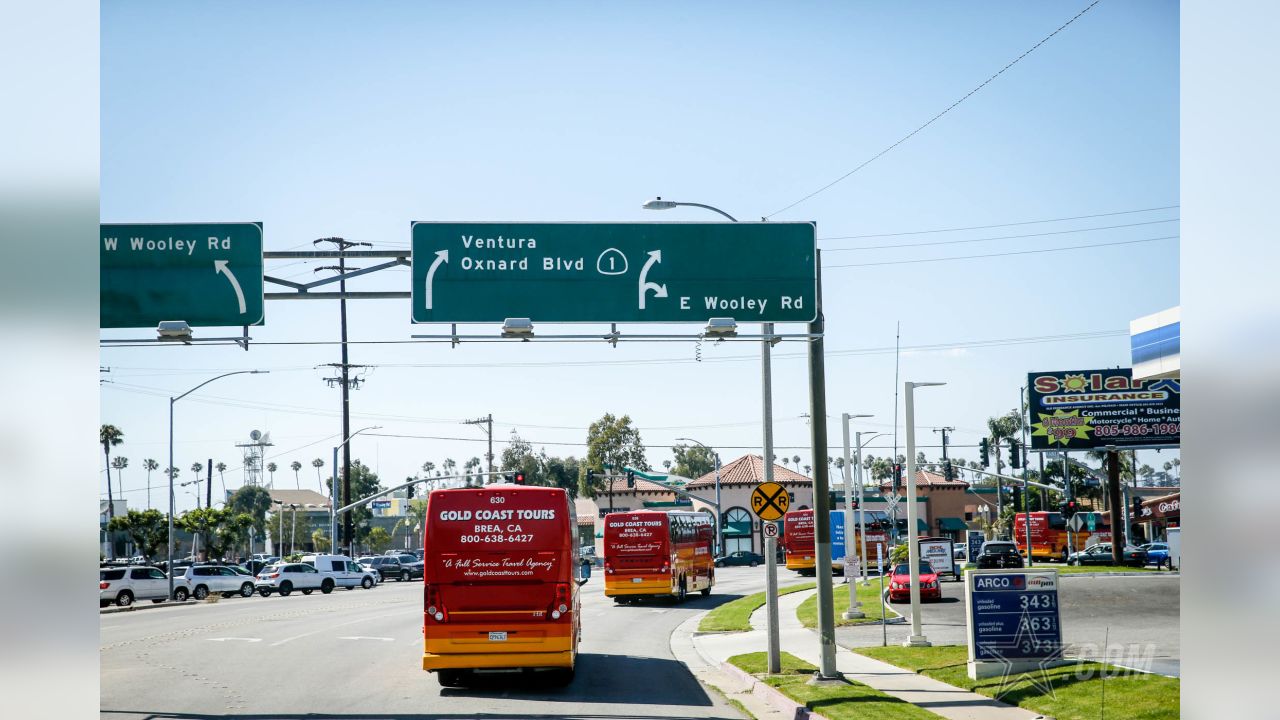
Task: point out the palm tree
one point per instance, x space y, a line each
427 467
295 466
110 435
317 464
478 464
448 466
120 463
271 470
796 461
172 473
666 465
1002 428
221 467
1147 473
149 465
808 469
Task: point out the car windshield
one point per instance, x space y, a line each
905 569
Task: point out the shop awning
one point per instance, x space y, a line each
737 528
952 524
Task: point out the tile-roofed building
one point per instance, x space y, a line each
748 470
301 498
739 526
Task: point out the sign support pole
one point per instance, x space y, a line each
821 500
851 557
770 544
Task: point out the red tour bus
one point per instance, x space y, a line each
797 541
651 553
501 582
1049 534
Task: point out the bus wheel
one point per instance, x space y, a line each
452 678
682 593
706 591
562 677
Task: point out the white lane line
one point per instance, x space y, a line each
330 627
365 637
223 639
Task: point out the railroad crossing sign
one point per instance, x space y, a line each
466 272
891 502
208 274
770 529
769 501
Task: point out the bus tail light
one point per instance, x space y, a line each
666 566
608 567
560 605
435 608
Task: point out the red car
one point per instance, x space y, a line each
900 583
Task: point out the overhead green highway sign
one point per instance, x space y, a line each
613 272
208 274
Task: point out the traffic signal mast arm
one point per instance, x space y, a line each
403 485
1010 478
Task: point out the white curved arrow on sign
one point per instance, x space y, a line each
442 256
220 266
659 291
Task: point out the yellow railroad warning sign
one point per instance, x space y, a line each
769 501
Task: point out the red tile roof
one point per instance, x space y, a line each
619 486
749 470
926 478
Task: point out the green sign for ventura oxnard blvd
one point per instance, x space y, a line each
208 274
613 272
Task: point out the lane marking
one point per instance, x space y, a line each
365 637
330 627
223 639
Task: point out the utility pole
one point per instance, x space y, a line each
944 431
348 526
487 422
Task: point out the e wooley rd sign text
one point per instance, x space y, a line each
613 272
208 274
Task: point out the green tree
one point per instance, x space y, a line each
611 441
148 529
220 529
1147 473
692 461
379 540
1002 428
417 510
319 540
110 436
254 501
295 466
294 533
561 472
364 482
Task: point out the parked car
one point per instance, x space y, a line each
205 579
1100 554
346 573
390 569
410 566
124 585
287 577
900 583
999 554
740 557
1157 553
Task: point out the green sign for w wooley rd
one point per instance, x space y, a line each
613 272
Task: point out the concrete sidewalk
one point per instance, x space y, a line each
937 697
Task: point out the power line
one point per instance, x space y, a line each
935 118
999 237
1000 225
1003 254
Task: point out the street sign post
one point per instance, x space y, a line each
769 501
206 274
613 272
1013 619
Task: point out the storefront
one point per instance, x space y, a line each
1159 514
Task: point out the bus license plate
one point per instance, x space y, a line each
636 580
498 636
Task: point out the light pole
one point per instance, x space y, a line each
862 519
719 517
172 401
851 554
917 638
293 532
333 492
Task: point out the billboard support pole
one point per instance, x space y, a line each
1117 509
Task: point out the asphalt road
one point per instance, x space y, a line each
357 654
1135 619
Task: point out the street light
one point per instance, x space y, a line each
333 491
173 400
862 520
719 518
660 204
850 552
917 638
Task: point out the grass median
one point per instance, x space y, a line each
735 615
869 596
843 701
1077 690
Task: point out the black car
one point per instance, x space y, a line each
998 554
740 557
1100 554
398 567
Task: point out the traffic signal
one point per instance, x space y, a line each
1135 515
1017 497
631 479
409 492
897 477
832 501
1069 508
984 449
516 477
854 503
591 478
1015 457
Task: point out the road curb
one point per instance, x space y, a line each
150 606
1120 574
766 692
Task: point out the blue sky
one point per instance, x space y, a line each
326 119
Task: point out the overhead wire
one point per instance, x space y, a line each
991 239
1001 254
1000 225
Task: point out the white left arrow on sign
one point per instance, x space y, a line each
442 256
221 267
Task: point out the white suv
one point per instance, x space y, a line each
345 572
287 577
123 585
205 579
